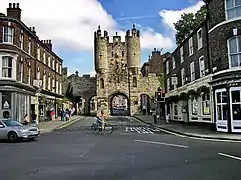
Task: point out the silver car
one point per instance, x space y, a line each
13 131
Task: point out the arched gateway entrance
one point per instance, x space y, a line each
119 104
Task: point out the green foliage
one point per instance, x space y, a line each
188 23
161 81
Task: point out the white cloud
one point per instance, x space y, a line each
171 16
72 23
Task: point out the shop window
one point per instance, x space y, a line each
7 66
194 106
236 104
221 106
206 109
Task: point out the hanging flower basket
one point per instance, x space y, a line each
203 89
184 96
59 102
175 98
42 99
194 94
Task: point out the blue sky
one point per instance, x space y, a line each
71 24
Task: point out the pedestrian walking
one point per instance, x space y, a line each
154 114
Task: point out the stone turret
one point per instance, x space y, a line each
133 50
100 45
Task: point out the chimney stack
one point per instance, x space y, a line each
14 11
47 43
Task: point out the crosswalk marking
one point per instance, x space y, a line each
141 130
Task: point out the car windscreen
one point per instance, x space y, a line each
9 123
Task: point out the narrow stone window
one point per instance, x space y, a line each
134 82
102 85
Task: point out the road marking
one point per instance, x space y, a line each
160 143
230 156
217 140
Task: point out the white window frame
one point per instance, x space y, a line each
44 81
201 64
194 105
200 39
49 83
57 86
237 53
53 85
168 84
44 57
7 68
234 7
190 46
38 53
167 67
174 82
181 54
60 87
21 70
29 75
183 76
29 47
173 62
60 69
21 41
9 35
206 102
57 67
192 71
49 61
53 64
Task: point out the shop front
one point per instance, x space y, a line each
227 100
15 102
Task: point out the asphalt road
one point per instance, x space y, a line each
133 151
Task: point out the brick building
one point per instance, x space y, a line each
203 73
30 72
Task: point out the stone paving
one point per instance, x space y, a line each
190 130
51 125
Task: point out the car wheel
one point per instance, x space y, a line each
12 137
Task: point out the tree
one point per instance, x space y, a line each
161 81
188 23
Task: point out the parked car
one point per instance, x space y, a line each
13 131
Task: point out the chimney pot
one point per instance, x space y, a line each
10 5
17 5
13 5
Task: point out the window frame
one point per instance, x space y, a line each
167 67
181 54
8 35
173 62
183 76
200 40
9 68
201 72
205 100
235 7
192 71
190 46
237 53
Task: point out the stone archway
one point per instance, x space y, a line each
145 100
119 104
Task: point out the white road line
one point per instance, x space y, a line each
153 142
214 140
230 156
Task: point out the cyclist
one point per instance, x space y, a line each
102 118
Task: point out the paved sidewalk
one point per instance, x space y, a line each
189 130
51 125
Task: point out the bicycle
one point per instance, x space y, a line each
97 127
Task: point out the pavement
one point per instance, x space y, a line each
188 130
134 151
52 125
